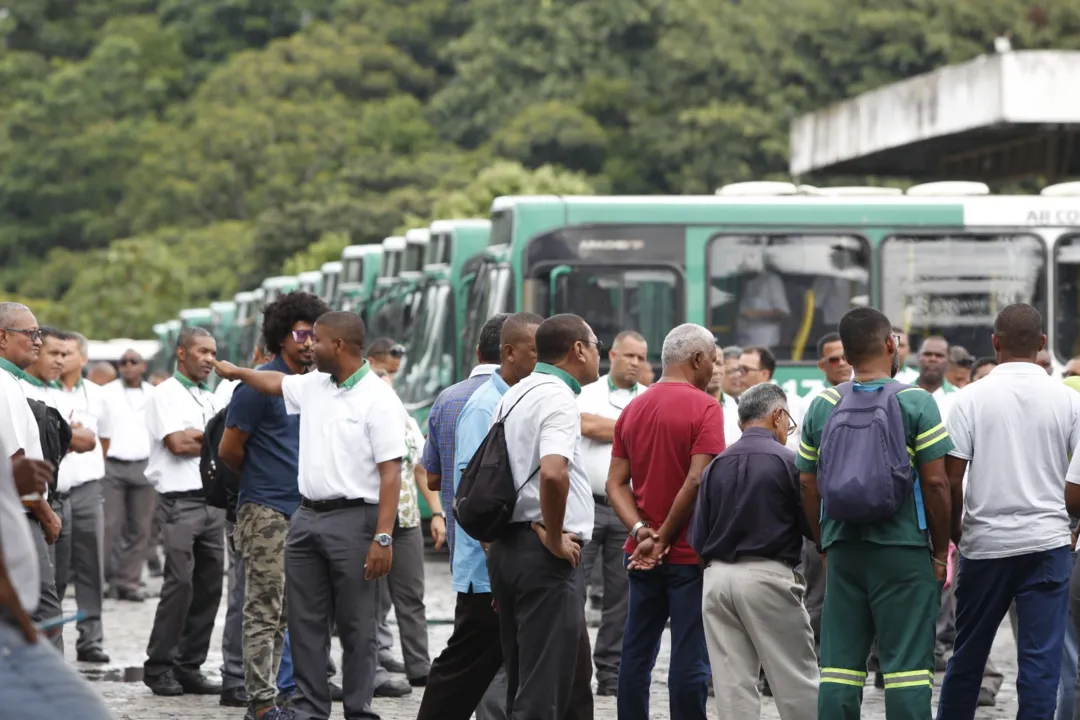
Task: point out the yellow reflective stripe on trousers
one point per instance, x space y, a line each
840 676
909 678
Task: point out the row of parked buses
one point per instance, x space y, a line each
758 263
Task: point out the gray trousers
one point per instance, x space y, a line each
232 636
754 618
324 583
404 589
79 556
609 535
194 538
814 599
49 605
130 506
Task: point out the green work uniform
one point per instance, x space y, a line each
879 580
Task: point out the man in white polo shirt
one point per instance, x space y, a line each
352 440
192 532
130 499
20 347
536 579
600 404
1015 429
79 549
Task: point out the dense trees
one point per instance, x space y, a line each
156 154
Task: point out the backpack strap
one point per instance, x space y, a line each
507 413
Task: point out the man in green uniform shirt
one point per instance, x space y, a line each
883 578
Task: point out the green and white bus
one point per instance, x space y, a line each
379 315
360 268
772 264
331 283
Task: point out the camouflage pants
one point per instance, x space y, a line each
260 539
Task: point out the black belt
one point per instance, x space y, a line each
185 495
321 506
124 462
600 499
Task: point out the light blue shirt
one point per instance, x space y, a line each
469 565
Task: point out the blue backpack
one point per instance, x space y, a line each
864 471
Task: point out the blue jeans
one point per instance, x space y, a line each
1066 697
36 682
285 683
1039 583
667 591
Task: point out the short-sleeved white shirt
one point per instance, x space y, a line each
82 404
1017 427
16 542
730 408
345 432
18 428
602 398
546 422
224 391
123 421
175 406
36 390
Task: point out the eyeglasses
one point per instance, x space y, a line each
792 425
965 362
599 345
34 335
301 337
835 359
743 370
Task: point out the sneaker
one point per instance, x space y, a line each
278 713
164 684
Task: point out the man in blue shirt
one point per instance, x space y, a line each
262 443
443 418
462 675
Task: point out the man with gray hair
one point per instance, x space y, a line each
661 444
80 548
748 530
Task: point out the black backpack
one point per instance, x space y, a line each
55 435
221 486
485 498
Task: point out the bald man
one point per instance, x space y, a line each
101 373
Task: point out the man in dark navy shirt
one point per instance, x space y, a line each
748 529
262 443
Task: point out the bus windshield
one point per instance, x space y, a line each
1067 309
954 285
476 310
353 269
784 291
431 362
646 300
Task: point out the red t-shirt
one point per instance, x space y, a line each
657 433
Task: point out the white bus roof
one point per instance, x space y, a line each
309 276
440 226
359 251
280 281
331 267
113 350
392 243
417 236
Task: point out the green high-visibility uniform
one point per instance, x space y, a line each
879 580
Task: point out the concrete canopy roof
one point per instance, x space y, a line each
997 117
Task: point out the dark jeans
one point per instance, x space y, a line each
1039 583
667 591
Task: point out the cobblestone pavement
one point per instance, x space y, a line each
127 627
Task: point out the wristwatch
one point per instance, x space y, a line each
439 514
384 539
637 526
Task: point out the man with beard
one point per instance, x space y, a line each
881 576
262 444
352 432
193 533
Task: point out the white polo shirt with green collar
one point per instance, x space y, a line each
346 430
176 405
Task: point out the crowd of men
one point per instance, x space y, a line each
885 525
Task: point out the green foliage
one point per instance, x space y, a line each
156 154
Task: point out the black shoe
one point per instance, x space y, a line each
197 684
393 688
336 693
879 681
420 681
605 690
234 697
392 665
136 596
986 698
164 684
93 655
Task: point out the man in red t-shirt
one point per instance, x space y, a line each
662 443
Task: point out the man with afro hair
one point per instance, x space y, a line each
262 444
